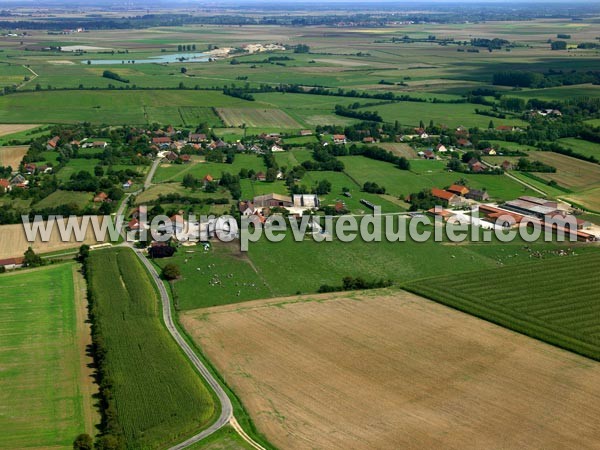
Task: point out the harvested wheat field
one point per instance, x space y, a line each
13 241
387 369
12 156
6 129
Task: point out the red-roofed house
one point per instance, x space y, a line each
458 190
447 198
100 197
339 139
52 143
4 184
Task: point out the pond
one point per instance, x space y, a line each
166 58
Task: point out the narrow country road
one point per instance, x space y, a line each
226 407
226 417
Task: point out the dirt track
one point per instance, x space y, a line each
391 370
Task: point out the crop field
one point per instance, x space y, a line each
589 199
111 107
532 299
254 117
59 198
12 156
572 173
159 397
582 147
13 241
6 130
385 368
425 175
45 384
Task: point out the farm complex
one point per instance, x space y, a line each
326 226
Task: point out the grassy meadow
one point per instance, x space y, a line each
45 386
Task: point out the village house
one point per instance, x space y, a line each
445 197
100 144
489 151
171 156
339 139
127 184
368 140
428 154
52 143
197 138
12 263
458 189
260 176
247 208
29 168
464 142
240 147
162 141
507 165
100 197
19 181
477 167
441 148
276 148
5 185
207 179
186 159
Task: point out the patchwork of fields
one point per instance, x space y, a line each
533 299
12 156
385 369
46 386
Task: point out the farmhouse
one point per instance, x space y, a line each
197 138
12 263
477 167
5 184
477 195
99 144
339 139
368 140
247 208
565 220
273 200
185 159
100 197
441 148
127 184
507 165
428 154
134 225
276 148
260 176
489 151
52 143
447 198
464 142
19 181
207 179
458 190
161 141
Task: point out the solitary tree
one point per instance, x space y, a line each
31 259
171 272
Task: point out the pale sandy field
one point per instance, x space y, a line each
387 369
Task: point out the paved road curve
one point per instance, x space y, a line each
226 407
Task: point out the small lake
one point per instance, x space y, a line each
166 58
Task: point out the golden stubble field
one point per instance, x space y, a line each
13 241
12 156
387 369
